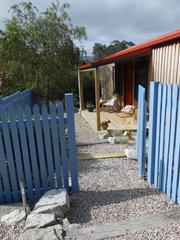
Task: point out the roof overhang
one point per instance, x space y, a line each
135 51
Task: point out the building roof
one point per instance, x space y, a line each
142 48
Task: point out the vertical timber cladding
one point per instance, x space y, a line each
166 63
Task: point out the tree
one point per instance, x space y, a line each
38 50
100 50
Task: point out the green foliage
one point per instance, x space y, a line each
38 51
102 50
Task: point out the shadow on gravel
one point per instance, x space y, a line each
84 201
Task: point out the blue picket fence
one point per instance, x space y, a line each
17 99
38 147
164 139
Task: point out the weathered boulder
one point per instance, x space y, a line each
115 132
54 209
39 221
52 199
131 153
50 233
14 217
129 134
118 139
104 134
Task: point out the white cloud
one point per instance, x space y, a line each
108 20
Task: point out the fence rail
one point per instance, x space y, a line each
37 146
17 99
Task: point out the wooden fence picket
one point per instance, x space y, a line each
175 173
172 139
152 131
141 135
71 141
16 144
9 155
4 173
48 148
55 141
33 154
40 149
167 136
25 153
162 137
63 145
158 127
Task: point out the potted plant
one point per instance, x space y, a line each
105 124
90 106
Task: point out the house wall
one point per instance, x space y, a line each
165 63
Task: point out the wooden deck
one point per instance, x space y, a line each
118 120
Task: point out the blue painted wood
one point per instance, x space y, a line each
4 173
40 148
25 153
141 140
55 141
72 141
158 127
1 194
172 139
167 136
48 148
9 156
33 154
139 121
152 131
63 145
16 144
175 176
162 137
18 98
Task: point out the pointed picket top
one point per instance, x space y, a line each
36 109
28 111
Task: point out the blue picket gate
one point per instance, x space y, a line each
38 147
164 139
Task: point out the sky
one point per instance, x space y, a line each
108 20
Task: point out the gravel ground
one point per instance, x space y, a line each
110 189
11 232
169 232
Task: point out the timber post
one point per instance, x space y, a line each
97 95
81 95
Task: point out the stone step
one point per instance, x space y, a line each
131 225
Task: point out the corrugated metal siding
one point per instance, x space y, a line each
165 65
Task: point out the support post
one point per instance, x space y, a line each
97 94
81 95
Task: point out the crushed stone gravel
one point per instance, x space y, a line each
110 189
11 232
